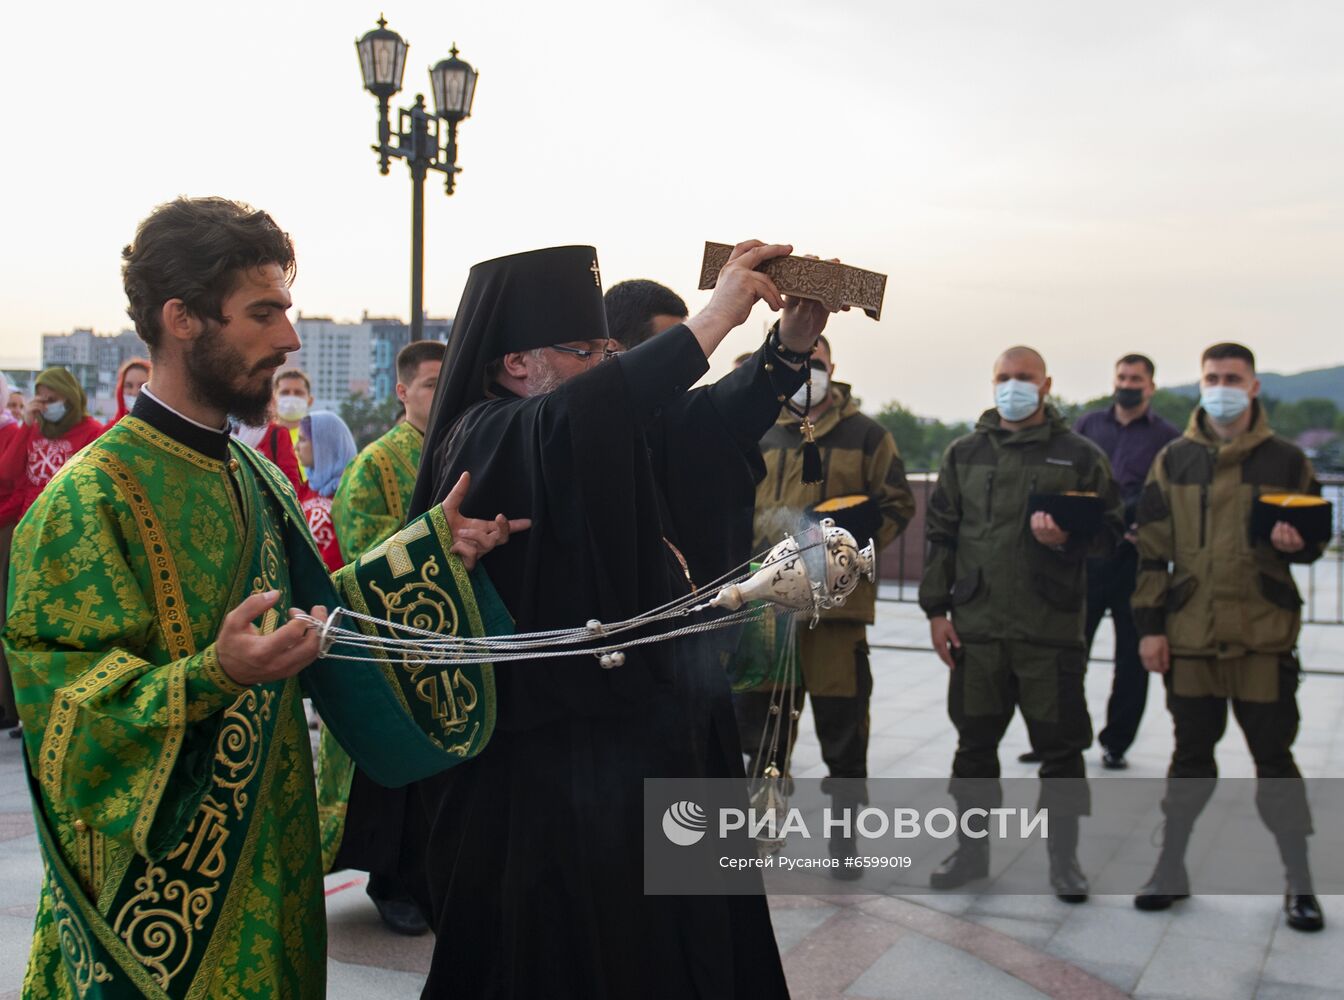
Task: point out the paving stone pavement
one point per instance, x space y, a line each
965 945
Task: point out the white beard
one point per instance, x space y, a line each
545 379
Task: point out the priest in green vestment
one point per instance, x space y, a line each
361 821
157 678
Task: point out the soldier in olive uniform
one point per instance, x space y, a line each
1004 588
1219 615
858 458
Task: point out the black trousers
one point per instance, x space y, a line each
1110 587
1270 729
842 723
990 681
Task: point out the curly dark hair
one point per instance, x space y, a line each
194 249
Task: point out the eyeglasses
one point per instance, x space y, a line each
606 354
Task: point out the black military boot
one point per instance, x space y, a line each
970 861
1169 881
1066 877
1300 906
849 794
1303 912
843 850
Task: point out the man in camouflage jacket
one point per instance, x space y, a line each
859 458
1005 591
1219 614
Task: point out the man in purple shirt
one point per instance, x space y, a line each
1131 435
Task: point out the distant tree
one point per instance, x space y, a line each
1175 407
921 441
905 428
938 436
1292 419
367 419
1172 406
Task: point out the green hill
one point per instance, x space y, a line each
1319 383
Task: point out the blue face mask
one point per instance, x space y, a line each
1224 403
1016 400
54 412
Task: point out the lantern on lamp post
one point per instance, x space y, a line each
425 140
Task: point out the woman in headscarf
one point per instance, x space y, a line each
131 378
8 418
326 447
56 425
14 403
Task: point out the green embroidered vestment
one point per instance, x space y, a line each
369 507
175 808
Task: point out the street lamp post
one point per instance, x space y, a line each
425 140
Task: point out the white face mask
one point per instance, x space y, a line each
129 398
54 412
1016 399
291 408
821 385
1224 403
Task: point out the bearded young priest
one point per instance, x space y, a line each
157 678
536 864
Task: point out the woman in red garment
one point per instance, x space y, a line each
56 425
326 447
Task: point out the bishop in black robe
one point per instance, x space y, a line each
535 861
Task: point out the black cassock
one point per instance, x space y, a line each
535 861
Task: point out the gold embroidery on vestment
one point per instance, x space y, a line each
388 477
238 749
75 944
159 922
395 550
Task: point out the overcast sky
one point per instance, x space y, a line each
1092 178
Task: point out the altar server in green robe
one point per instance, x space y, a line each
157 676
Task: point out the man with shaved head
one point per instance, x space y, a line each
1004 587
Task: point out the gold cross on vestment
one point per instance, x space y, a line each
398 557
597 274
81 620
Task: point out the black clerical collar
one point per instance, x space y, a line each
196 436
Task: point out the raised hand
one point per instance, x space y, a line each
803 320
740 286
473 537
